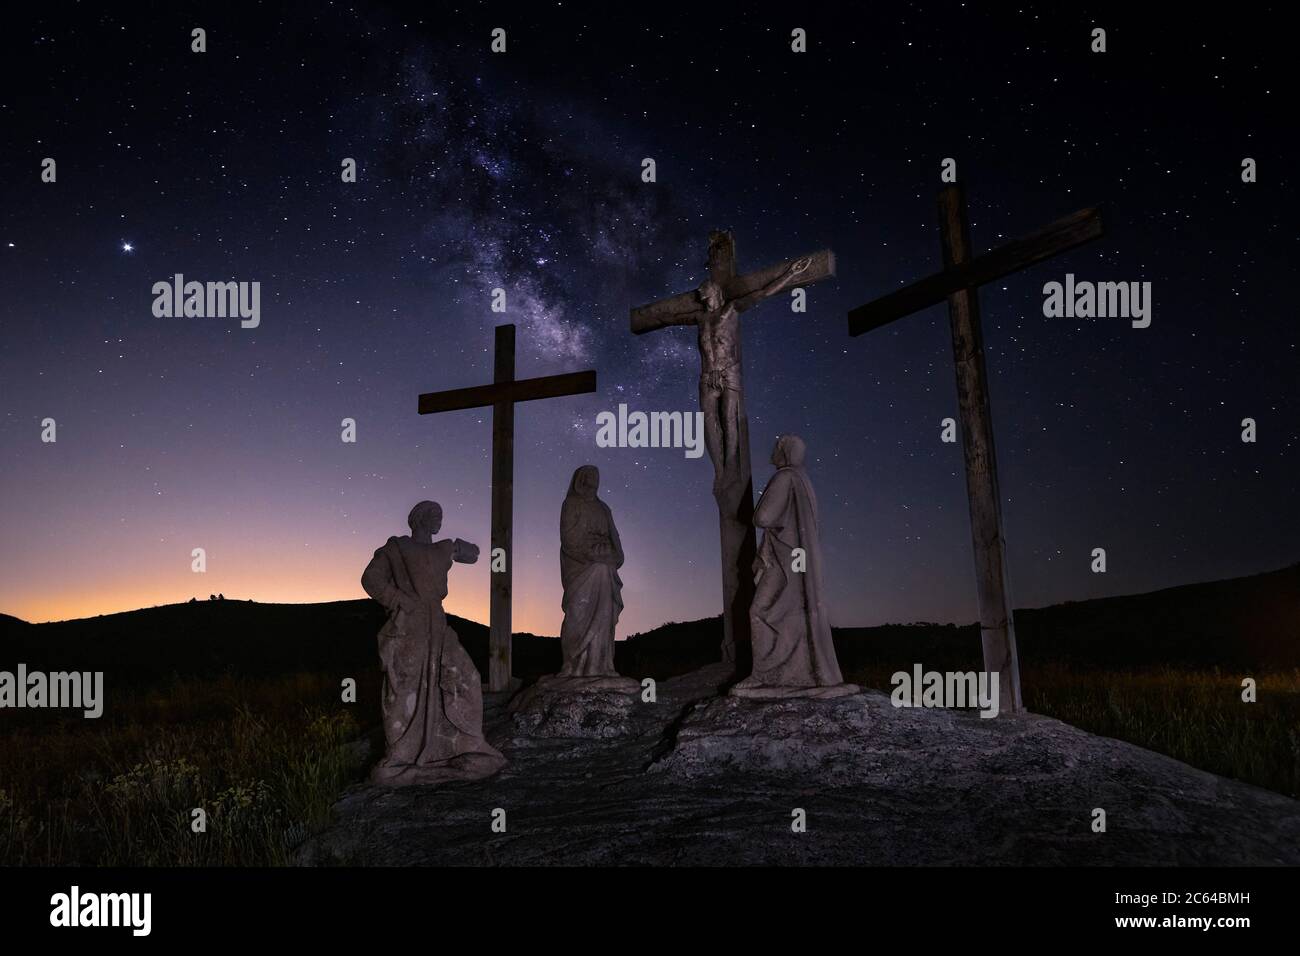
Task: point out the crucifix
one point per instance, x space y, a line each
714 308
502 394
962 274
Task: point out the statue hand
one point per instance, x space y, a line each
464 552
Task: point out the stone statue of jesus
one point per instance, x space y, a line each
714 307
720 388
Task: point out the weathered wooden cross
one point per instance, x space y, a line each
715 307
957 283
502 394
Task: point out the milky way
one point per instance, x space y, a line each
521 171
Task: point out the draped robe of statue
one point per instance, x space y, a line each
590 556
794 655
432 696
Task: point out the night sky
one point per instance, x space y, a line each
522 170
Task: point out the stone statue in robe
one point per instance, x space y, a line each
432 696
590 556
794 655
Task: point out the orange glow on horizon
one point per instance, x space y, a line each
65 607
528 616
251 560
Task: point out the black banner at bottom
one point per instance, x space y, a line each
336 905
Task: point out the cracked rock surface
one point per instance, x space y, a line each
697 778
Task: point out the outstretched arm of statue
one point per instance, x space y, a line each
682 309
464 552
789 277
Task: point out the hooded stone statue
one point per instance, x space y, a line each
590 556
794 655
432 697
588 697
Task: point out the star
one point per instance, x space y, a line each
127 247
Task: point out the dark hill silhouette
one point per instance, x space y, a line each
207 638
9 622
1248 622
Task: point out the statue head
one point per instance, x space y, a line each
586 482
710 295
789 452
425 520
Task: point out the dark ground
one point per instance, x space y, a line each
704 780
692 781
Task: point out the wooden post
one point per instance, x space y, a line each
997 625
503 506
502 395
736 505
739 548
962 274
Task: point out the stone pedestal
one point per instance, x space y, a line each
767 692
580 707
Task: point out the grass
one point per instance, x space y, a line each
266 759
1197 717
1194 716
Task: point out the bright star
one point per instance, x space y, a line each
127 247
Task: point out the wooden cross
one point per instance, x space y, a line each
502 394
719 343
957 283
